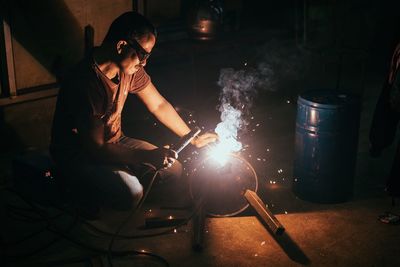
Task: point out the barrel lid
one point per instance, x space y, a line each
327 98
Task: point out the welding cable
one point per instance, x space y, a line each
72 260
29 236
38 210
123 223
28 219
112 254
120 236
22 257
115 254
167 231
21 216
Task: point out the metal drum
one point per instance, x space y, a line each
222 188
326 145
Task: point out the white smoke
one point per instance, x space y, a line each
239 87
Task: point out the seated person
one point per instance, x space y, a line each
98 163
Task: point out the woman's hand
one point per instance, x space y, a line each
204 139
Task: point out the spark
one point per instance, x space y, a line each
263 243
175 231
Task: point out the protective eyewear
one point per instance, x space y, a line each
141 53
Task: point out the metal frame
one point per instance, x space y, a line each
139 6
8 82
8 87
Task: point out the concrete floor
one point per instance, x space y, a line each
344 234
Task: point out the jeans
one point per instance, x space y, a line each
117 187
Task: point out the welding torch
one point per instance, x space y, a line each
182 143
185 140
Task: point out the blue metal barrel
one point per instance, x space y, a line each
326 141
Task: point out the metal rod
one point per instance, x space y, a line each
199 228
264 213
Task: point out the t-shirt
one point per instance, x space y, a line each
87 94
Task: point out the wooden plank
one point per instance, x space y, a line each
9 75
140 6
29 97
264 213
89 40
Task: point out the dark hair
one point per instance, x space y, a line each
128 26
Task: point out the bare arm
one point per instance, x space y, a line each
163 110
92 139
168 116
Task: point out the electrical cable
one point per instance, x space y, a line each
21 257
167 231
109 250
29 236
78 243
109 253
114 254
14 211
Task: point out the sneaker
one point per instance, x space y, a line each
389 218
